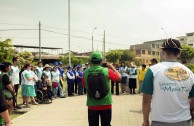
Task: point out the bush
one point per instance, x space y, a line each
191 67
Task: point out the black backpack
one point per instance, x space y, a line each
96 85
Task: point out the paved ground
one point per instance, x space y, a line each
72 111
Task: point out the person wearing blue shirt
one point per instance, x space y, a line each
79 76
70 81
75 82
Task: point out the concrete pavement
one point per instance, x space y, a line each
72 111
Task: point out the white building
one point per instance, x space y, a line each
187 40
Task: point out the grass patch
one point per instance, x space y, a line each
14 115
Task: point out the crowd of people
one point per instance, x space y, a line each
167 85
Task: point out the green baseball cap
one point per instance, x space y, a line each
96 56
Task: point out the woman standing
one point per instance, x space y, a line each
56 81
117 83
6 94
79 79
132 78
28 89
124 75
7 87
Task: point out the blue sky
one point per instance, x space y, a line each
126 22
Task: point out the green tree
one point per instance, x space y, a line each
187 54
25 57
137 62
113 56
127 55
6 50
74 60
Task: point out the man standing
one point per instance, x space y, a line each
39 70
141 75
168 85
70 81
97 82
14 76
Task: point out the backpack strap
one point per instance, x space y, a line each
90 72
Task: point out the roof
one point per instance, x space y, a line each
25 46
190 34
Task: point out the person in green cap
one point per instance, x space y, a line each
96 79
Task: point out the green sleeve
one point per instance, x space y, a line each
27 75
148 83
191 93
135 72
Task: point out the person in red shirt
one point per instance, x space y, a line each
100 107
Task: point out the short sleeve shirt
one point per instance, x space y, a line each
170 84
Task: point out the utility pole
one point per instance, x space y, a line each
69 32
93 39
104 48
39 41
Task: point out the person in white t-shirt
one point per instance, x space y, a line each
28 81
14 76
168 86
39 70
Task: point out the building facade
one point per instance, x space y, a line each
147 51
187 40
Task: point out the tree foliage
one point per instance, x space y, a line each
187 54
113 56
6 50
127 55
74 60
25 57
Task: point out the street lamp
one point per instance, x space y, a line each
165 32
93 39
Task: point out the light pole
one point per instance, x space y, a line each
165 33
69 32
93 39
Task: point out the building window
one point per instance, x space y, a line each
158 53
149 52
182 39
190 44
138 52
153 52
153 45
143 51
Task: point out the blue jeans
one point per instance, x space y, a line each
55 90
80 88
60 90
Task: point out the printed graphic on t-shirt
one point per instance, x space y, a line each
176 73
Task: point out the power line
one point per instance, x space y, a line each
62 34
115 36
17 24
16 29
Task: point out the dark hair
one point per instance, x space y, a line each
154 60
74 66
122 63
26 65
96 62
39 62
116 65
143 65
171 46
4 65
15 58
